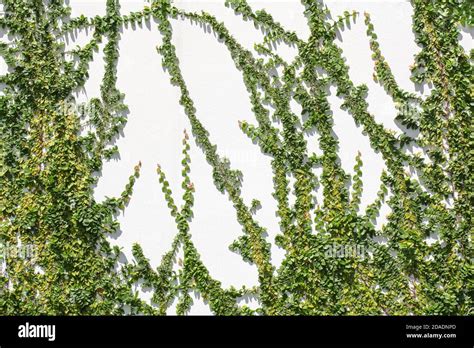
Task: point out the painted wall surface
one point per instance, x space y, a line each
156 122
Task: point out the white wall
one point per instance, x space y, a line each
156 121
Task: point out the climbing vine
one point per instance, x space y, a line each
50 153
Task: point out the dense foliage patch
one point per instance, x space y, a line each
51 150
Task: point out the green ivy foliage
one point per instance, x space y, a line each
50 154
